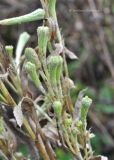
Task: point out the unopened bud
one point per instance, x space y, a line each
68 83
55 68
57 106
31 70
9 50
68 122
86 102
79 124
74 131
32 57
43 37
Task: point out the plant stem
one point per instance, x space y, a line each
52 13
41 147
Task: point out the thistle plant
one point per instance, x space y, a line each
45 68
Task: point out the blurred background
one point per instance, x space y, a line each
88 29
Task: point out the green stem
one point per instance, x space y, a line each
11 86
52 13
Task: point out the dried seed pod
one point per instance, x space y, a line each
32 57
55 68
43 37
86 102
57 106
68 84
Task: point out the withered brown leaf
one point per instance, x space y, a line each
4 59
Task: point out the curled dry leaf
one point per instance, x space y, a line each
51 133
58 49
18 114
70 54
4 58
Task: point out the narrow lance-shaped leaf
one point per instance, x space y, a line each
2 99
23 39
70 54
6 94
15 79
33 16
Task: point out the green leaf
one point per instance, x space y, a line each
23 39
33 16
